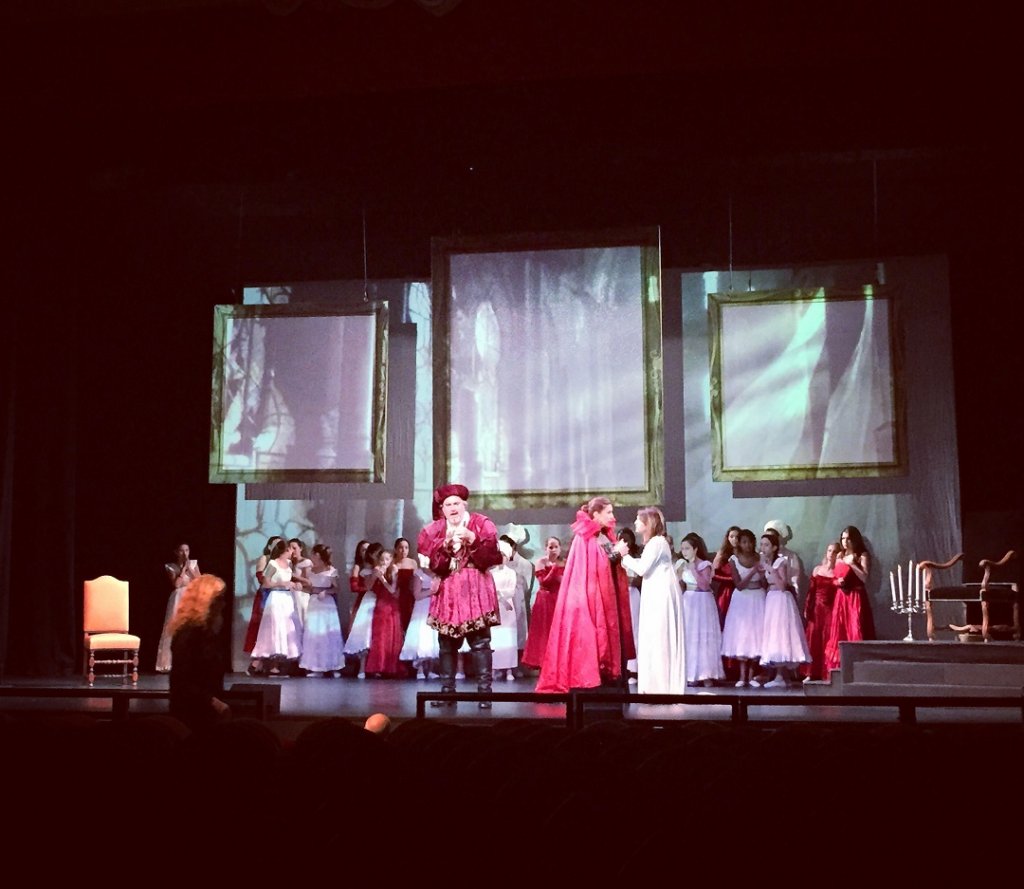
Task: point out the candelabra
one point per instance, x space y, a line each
909 607
911 601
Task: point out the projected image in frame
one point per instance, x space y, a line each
804 384
299 393
548 372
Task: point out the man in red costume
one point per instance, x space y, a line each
591 629
461 546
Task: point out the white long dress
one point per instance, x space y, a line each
163 648
703 630
634 615
784 642
420 643
301 568
360 634
524 570
744 621
505 637
321 630
661 639
280 633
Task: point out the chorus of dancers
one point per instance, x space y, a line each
613 607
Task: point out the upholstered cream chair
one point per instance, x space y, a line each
105 621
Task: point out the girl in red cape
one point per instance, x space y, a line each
591 630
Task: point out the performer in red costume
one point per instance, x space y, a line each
585 646
818 610
851 610
461 546
548 571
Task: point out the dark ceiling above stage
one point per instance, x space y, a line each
497 114
501 76
832 131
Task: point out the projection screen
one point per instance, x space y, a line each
805 384
299 393
548 370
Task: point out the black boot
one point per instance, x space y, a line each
448 658
482 655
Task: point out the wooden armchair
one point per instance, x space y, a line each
986 593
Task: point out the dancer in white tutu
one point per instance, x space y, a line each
744 621
420 647
783 642
280 634
700 613
321 633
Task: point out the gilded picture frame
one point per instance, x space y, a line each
299 393
806 384
548 383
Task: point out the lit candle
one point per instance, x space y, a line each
920 583
892 586
899 575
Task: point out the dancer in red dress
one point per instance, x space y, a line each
821 595
405 568
851 610
386 635
461 547
591 631
548 571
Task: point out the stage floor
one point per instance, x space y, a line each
306 699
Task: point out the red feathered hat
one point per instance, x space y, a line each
446 491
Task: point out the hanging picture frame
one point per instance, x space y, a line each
805 384
571 319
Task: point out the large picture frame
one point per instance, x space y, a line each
548 383
299 393
806 384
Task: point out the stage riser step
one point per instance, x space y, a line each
901 673
853 689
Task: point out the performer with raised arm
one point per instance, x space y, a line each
461 546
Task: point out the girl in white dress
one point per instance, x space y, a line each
360 633
505 636
180 573
280 635
784 644
420 646
661 638
700 613
301 565
321 631
744 621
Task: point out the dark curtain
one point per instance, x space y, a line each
106 418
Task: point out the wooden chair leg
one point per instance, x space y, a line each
931 619
986 635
